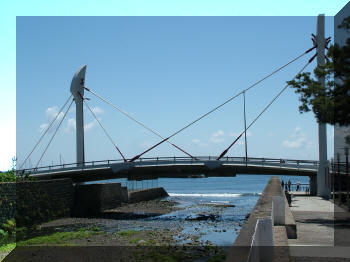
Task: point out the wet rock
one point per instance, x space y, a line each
200 217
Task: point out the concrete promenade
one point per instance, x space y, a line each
314 229
323 230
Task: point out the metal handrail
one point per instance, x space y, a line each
228 159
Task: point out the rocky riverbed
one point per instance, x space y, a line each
155 228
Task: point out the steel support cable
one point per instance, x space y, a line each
263 111
137 121
54 133
105 131
47 129
224 103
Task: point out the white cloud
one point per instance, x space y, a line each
71 126
297 139
51 113
90 126
198 142
97 110
217 137
43 127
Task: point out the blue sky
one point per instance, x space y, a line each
166 71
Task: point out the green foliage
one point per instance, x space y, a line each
95 228
3 235
9 176
9 226
8 232
135 240
331 103
21 176
59 238
7 248
127 233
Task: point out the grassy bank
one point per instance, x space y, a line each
59 238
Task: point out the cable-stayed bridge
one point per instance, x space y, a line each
146 168
139 167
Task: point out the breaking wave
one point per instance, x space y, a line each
213 195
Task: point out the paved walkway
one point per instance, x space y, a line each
323 230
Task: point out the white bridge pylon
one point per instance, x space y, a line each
77 90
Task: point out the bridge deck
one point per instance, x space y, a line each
175 167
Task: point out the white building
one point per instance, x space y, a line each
340 37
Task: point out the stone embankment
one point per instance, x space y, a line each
34 202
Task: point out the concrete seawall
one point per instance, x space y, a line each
93 198
263 209
33 202
146 194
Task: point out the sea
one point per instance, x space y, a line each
227 199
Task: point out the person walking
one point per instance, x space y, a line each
289 184
282 184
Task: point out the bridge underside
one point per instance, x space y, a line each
173 171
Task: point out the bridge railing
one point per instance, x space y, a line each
250 161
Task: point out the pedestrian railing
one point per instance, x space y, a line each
251 161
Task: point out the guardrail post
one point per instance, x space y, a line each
339 183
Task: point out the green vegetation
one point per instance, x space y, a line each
7 248
59 238
152 233
9 176
134 240
127 233
330 103
8 232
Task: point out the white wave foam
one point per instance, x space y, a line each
212 195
